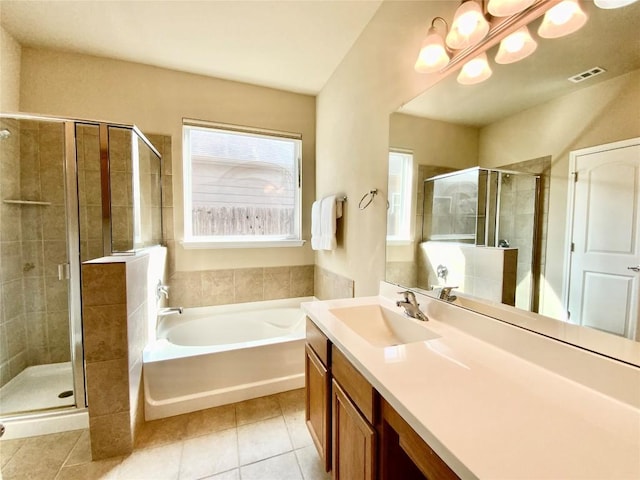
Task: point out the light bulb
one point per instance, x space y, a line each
564 18
469 26
610 4
475 70
516 46
433 55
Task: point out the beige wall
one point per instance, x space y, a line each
10 53
156 100
353 109
603 113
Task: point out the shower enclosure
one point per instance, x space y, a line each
70 191
488 208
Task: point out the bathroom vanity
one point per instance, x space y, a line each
391 397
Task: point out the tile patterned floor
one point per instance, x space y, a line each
261 439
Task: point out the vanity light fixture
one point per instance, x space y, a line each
562 19
469 26
516 46
610 4
506 8
475 70
433 54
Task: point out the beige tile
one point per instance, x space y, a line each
302 281
55 253
211 420
81 452
248 284
282 467
30 219
209 454
110 436
8 449
54 226
217 287
310 464
152 463
161 432
12 299
297 428
17 339
230 475
261 440
257 409
104 332
185 289
57 294
40 457
108 387
103 284
11 258
292 401
277 283
106 469
137 283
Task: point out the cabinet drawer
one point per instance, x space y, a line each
353 383
319 342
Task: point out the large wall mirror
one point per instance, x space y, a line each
491 206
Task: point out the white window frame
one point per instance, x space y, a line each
238 241
406 235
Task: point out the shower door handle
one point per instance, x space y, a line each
63 271
635 269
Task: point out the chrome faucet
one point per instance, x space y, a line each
411 306
162 291
445 294
170 311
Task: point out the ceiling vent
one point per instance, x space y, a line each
581 77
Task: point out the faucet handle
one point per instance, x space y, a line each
162 290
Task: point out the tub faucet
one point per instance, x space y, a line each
445 294
170 311
411 306
162 291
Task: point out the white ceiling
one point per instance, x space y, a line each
292 45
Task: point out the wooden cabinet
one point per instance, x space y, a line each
317 392
404 454
358 435
354 440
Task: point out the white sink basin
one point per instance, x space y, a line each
381 327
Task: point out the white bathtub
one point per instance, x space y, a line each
211 356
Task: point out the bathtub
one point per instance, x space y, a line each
210 356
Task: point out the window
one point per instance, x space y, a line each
399 212
241 187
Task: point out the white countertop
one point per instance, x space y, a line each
489 413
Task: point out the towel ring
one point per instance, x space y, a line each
370 196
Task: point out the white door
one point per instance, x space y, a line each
604 285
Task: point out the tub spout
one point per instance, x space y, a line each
170 311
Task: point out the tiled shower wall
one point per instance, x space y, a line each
33 243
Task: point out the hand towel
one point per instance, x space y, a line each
316 231
328 223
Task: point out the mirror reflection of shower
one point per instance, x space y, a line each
487 209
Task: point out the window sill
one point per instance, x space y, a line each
395 242
207 244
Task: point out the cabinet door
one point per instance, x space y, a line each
354 440
317 405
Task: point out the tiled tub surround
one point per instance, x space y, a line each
532 407
34 314
222 287
261 439
330 285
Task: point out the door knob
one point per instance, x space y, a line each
635 269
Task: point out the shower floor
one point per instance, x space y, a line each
37 388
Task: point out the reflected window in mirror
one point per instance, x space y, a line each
399 196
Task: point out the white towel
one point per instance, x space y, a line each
316 230
328 223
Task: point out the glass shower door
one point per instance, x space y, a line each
37 371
